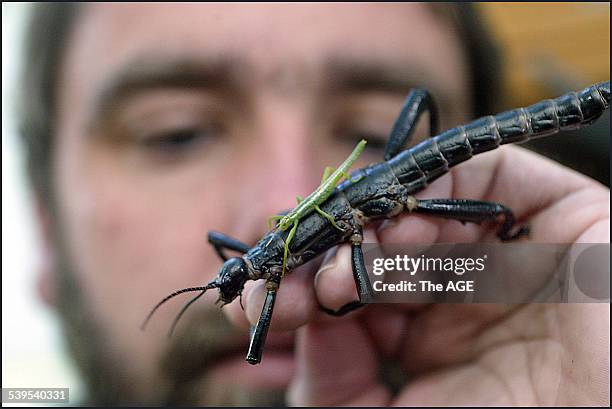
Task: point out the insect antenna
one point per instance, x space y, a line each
174 294
180 314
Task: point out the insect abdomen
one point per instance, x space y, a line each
421 164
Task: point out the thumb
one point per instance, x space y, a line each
336 364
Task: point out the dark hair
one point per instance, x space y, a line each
49 30
483 57
45 40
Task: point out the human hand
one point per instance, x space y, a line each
480 354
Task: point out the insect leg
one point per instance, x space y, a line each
350 178
220 242
287 241
327 173
360 275
273 219
329 170
474 211
327 216
418 101
260 331
280 215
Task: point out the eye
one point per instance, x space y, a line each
179 140
170 124
175 138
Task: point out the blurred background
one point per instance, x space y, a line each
548 49
32 349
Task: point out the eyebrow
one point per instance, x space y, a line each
346 75
144 74
226 74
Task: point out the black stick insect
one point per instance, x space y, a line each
384 190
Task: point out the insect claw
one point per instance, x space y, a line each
240 299
220 302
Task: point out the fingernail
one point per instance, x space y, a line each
328 263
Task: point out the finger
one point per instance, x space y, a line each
520 179
387 327
234 310
295 304
334 282
446 334
335 364
527 183
569 217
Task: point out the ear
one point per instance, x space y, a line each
47 275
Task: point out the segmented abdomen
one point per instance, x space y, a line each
421 164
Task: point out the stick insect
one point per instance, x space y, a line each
306 206
385 190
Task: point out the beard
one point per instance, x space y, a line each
204 339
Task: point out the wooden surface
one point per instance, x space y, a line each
550 48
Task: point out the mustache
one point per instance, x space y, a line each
204 337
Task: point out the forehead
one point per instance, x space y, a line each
264 37
257 27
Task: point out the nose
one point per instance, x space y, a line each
282 165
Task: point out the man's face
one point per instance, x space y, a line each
179 119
